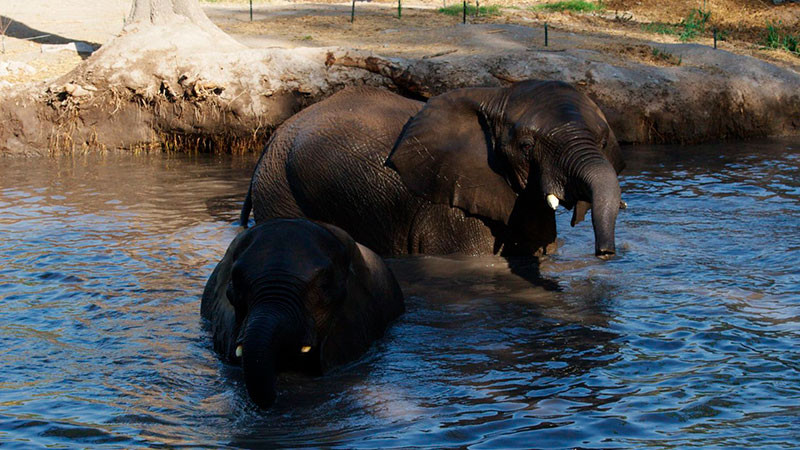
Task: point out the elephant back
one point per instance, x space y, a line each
328 164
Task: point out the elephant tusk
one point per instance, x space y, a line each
552 200
238 351
305 349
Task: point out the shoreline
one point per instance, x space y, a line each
651 92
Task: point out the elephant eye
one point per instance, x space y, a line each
329 284
233 299
604 139
527 146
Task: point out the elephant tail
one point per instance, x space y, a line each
244 216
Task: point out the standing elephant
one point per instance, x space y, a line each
293 295
475 170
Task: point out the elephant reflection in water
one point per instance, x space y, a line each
461 355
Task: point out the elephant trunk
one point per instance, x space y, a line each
601 180
271 330
598 184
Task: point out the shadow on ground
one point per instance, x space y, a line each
19 30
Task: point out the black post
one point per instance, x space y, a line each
251 10
545 34
464 18
715 38
399 9
353 12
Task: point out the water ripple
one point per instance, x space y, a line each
689 338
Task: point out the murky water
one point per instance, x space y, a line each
689 338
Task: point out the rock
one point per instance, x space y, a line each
77 47
75 90
18 66
15 67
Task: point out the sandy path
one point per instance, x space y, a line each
422 32
60 22
81 20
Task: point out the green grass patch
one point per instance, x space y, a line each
666 57
660 28
570 5
694 24
458 9
775 38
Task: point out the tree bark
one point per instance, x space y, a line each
167 11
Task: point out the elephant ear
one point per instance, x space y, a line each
611 149
372 301
215 305
445 155
613 152
599 123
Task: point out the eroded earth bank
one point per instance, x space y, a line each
173 79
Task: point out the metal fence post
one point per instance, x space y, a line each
353 12
545 34
251 10
464 17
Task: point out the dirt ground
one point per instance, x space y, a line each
620 31
33 25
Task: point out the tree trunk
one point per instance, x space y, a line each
169 11
172 13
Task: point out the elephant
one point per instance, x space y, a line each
295 295
472 171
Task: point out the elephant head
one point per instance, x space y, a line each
480 149
293 295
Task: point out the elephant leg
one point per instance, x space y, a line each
531 228
441 229
271 186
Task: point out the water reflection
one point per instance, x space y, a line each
480 349
689 337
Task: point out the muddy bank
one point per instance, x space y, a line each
695 94
178 87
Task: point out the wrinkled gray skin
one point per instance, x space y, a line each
467 172
288 284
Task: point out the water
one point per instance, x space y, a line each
689 338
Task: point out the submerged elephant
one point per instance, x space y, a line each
475 170
293 295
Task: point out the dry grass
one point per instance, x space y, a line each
741 25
